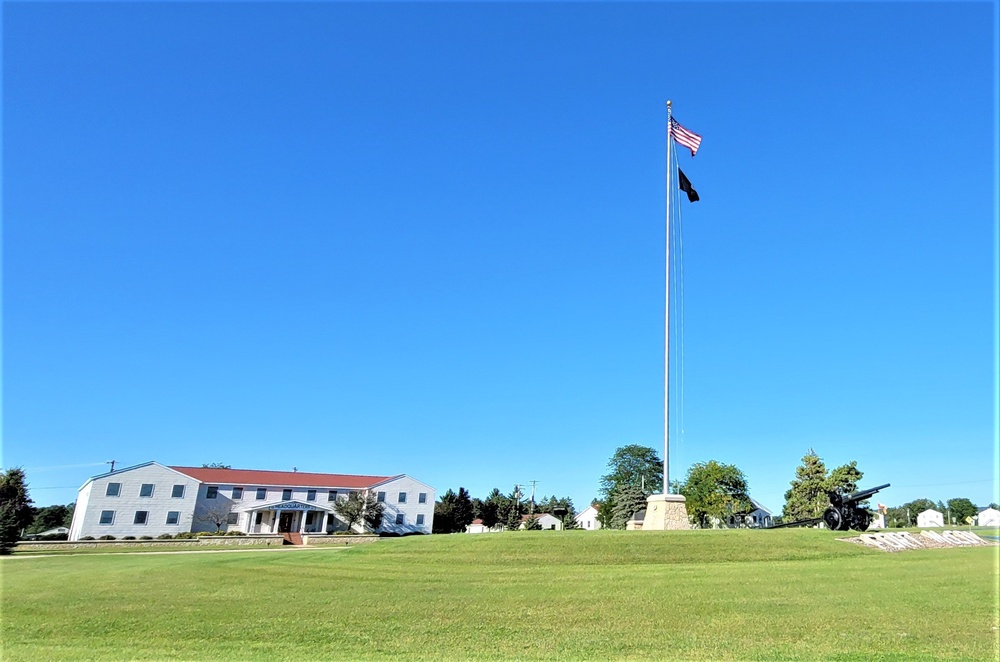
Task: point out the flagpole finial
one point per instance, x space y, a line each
669 102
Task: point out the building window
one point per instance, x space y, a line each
233 518
261 493
311 495
107 517
237 493
146 490
381 497
177 492
399 518
422 497
212 492
173 517
332 496
420 520
286 495
402 497
141 516
114 489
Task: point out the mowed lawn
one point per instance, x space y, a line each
691 595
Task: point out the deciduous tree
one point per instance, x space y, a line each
351 510
961 508
714 490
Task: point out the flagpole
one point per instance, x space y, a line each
666 326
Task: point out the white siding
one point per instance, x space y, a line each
409 510
587 520
93 499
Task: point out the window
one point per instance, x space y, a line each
311 495
212 492
399 518
146 490
261 493
140 517
422 497
237 493
173 517
332 496
381 497
233 518
107 517
114 489
420 520
177 492
402 497
286 495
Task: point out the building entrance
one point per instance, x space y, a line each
285 522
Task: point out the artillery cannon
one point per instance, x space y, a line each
843 513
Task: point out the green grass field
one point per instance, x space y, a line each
694 595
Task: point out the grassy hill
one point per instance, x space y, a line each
706 595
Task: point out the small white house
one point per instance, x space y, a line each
988 517
547 521
760 517
930 518
587 519
477 526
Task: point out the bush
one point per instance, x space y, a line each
128 537
107 538
145 537
87 538
165 536
184 535
235 533
53 536
202 534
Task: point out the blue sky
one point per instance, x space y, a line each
428 239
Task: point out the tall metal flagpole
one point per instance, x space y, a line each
666 327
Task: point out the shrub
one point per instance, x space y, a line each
202 534
145 537
185 535
235 533
87 538
54 536
106 537
128 537
165 536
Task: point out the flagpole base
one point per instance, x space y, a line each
666 512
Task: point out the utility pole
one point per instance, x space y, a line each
533 483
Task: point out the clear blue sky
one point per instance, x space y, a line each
428 239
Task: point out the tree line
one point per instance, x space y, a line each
455 511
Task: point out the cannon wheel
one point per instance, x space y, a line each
834 520
862 520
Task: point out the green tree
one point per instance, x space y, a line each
629 500
633 466
50 517
372 511
569 522
807 497
511 510
16 512
532 523
351 510
961 508
845 478
714 490
453 512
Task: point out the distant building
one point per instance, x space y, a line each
547 521
152 499
587 519
930 518
988 517
477 526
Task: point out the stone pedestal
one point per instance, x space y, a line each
665 512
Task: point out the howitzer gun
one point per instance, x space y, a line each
843 513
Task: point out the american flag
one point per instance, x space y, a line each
688 139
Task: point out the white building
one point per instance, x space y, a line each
587 519
988 517
152 499
930 518
548 522
760 517
477 526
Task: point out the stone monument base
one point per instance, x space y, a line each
665 512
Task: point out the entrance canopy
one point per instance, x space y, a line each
286 505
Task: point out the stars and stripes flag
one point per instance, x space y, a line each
688 139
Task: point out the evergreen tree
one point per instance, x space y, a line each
511 511
532 523
489 510
845 478
453 512
807 497
627 502
16 512
569 522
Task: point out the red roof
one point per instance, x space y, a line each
292 478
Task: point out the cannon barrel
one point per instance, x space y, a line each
861 495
